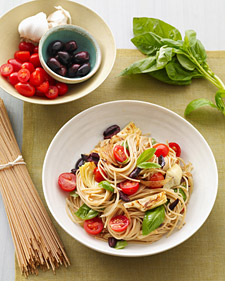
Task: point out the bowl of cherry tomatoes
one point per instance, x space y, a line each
26 77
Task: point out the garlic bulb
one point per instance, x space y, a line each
33 27
59 17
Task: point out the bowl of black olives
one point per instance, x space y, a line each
69 54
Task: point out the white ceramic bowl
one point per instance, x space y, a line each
84 131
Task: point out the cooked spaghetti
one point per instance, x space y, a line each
138 189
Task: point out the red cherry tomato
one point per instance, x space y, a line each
35 49
93 226
36 77
25 89
157 178
67 181
39 94
62 87
52 92
22 56
6 69
129 187
28 65
161 149
43 87
15 63
119 223
13 78
34 59
23 75
98 175
26 46
119 153
175 146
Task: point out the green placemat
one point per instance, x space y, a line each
199 258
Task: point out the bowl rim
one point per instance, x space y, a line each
124 254
70 98
81 31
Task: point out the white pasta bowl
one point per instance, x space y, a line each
84 131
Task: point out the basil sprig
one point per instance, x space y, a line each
153 219
86 213
121 244
145 156
173 60
106 185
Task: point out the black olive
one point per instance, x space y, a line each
134 174
80 162
93 157
70 46
111 131
84 69
81 57
62 71
161 161
72 71
55 47
112 242
173 204
54 64
123 196
64 57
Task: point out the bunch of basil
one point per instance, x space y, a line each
173 60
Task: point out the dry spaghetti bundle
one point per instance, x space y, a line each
35 239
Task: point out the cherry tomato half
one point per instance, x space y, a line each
62 87
22 56
93 226
13 78
34 59
156 178
161 149
129 187
52 92
43 87
25 89
119 223
23 75
15 63
28 65
6 69
98 175
175 146
67 181
119 153
39 94
26 46
36 77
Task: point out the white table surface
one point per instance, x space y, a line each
206 17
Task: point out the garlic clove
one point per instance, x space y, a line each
32 28
59 17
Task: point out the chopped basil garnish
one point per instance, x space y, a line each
86 213
106 185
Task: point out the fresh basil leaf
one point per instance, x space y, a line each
146 155
86 213
121 244
182 193
162 75
219 100
106 185
163 56
172 43
186 62
141 66
148 165
159 27
74 194
198 51
196 104
153 219
177 73
190 38
147 43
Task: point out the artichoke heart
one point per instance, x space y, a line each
129 130
87 174
174 174
147 203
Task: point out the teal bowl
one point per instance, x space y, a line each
85 42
